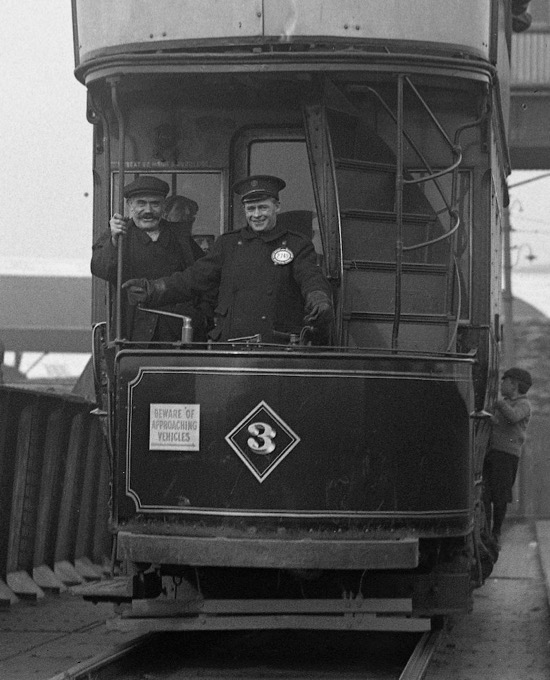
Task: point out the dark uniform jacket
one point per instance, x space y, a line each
254 293
144 258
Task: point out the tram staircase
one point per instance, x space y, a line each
54 494
369 236
381 303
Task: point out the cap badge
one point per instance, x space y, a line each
282 256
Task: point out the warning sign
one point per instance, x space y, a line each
174 427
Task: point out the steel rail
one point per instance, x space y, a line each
415 669
87 669
418 663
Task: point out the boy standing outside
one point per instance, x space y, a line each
509 425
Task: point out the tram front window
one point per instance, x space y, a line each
289 161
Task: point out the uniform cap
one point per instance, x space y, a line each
256 187
181 202
520 375
146 185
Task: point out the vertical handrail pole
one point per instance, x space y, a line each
121 164
399 213
508 345
106 202
106 212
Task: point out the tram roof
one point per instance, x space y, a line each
466 29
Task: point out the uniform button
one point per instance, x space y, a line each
264 318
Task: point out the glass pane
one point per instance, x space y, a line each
289 161
204 188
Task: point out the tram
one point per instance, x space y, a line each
388 123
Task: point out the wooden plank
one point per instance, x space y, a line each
89 571
343 622
102 538
66 573
23 586
269 553
7 596
88 498
72 489
44 578
167 608
8 437
51 484
23 509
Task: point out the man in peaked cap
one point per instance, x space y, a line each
145 199
257 187
181 212
508 430
180 209
152 248
146 184
265 276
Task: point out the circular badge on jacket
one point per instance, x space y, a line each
282 256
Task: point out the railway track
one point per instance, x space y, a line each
263 654
420 658
99 666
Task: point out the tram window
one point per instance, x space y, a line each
205 188
289 161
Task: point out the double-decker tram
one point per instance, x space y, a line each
290 484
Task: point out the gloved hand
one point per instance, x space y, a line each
144 291
318 308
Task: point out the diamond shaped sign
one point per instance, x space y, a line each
262 440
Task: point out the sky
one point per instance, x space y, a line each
46 169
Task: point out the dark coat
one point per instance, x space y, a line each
144 258
254 294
